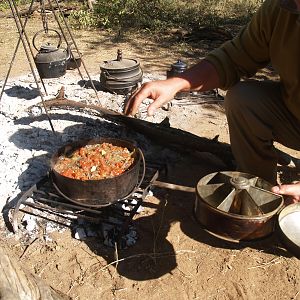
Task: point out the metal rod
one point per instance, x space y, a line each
26 37
21 30
64 36
15 52
74 42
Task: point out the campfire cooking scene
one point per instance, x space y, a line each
150 150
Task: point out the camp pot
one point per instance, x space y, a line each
120 75
75 59
102 192
176 69
51 61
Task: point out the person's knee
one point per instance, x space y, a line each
234 97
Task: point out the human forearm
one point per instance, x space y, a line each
201 77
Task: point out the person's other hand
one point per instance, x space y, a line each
161 91
291 190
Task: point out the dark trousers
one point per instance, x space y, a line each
256 118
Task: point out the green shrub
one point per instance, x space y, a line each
159 14
4 5
82 19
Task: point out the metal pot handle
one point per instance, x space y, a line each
142 177
106 204
40 31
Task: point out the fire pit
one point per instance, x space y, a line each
112 222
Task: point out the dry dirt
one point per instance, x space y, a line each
174 257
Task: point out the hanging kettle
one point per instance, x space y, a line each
51 61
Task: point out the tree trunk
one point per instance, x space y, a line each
16 283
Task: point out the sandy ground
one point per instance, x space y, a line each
174 257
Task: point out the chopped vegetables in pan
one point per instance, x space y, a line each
93 162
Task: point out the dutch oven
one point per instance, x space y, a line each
102 192
75 59
120 75
234 206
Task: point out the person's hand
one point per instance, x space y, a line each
201 77
161 91
290 190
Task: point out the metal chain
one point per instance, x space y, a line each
44 16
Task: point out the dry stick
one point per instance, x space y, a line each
43 269
116 255
27 248
294 297
163 254
274 261
158 230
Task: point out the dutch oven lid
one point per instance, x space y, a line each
122 64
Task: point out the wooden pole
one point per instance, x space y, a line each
17 283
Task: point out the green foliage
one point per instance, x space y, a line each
158 15
4 5
82 19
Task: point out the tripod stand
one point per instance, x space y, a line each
23 38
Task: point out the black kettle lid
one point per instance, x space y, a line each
48 48
179 65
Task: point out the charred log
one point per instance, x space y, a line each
160 133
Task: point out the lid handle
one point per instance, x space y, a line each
119 55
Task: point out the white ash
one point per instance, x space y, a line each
27 141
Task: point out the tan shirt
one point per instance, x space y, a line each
273 35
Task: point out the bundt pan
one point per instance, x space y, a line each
236 206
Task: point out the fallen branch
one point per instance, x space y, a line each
160 133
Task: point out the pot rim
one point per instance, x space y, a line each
104 66
262 217
83 143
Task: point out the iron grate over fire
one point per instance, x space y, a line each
112 223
